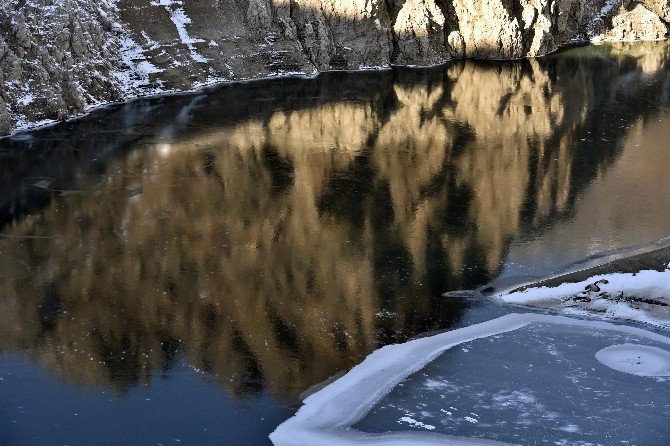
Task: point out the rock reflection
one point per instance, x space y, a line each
275 236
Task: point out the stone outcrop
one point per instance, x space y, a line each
60 58
635 23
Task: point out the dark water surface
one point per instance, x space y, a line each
178 270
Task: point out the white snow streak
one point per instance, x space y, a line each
411 421
609 5
180 20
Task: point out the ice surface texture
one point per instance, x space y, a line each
327 416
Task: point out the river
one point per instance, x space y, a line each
178 270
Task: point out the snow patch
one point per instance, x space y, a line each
640 297
607 7
180 20
27 99
139 68
411 421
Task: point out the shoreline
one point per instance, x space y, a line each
21 131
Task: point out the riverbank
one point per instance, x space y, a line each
629 288
64 59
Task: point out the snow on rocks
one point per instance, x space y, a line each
180 19
607 7
640 297
75 55
139 69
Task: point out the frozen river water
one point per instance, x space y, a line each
541 384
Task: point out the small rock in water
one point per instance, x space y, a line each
592 288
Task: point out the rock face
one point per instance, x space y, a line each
636 22
59 58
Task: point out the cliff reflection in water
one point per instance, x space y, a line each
276 233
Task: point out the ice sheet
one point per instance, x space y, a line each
541 384
327 416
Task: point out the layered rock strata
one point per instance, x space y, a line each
60 58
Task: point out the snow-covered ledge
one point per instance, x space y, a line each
640 297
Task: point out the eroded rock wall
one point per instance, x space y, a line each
59 58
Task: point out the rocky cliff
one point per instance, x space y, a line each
59 58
